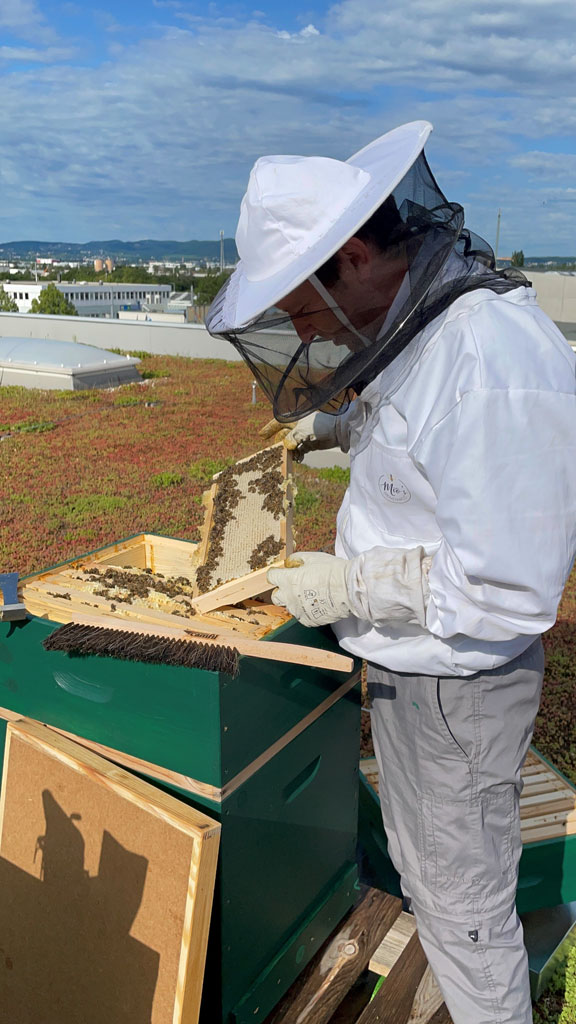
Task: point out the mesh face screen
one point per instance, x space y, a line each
312 358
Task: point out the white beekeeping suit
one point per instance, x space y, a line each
472 457
466 453
370 315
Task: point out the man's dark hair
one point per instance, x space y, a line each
383 229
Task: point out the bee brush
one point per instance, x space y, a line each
173 645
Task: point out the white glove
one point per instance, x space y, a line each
312 433
313 589
390 585
379 586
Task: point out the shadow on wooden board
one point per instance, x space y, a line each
105 890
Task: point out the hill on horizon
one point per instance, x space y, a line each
144 249
159 249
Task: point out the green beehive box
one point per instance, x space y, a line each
287 866
272 754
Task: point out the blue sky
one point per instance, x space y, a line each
142 119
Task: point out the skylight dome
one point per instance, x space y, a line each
63 365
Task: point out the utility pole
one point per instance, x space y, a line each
497 237
221 252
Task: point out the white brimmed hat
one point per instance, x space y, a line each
298 211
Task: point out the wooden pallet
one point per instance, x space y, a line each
547 803
335 988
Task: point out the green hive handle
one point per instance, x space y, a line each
302 780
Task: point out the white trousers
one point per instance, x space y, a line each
450 751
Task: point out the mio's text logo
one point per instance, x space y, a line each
393 489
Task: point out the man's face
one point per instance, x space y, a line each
309 314
365 289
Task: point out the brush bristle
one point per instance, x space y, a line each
156 650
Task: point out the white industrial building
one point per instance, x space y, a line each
93 298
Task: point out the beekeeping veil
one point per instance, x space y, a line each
315 345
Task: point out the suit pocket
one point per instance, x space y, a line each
469 848
455 718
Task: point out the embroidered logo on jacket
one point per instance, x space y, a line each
393 489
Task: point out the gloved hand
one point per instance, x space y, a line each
314 432
379 586
312 586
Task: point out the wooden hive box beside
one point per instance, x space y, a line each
548 829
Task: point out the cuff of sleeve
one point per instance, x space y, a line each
387 585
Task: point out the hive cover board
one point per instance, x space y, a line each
248 522
105 890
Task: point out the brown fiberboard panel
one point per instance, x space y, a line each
106 890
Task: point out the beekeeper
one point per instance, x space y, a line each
374 320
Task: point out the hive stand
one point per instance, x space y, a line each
336 987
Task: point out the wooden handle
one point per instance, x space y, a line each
234 591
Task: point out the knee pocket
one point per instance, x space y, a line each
469 848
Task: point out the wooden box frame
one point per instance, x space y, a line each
109 799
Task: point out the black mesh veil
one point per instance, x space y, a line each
424 260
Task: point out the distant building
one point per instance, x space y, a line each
44 263
177 309
93 298
556 291
163 266
109 264
180 302
98 266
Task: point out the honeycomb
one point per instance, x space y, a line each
246 524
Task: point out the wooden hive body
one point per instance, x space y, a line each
260 752
159 580
143 579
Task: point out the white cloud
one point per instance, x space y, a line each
27 55
25 20
548 166
304 33
162 135
473 45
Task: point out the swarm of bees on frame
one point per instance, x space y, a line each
269 483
